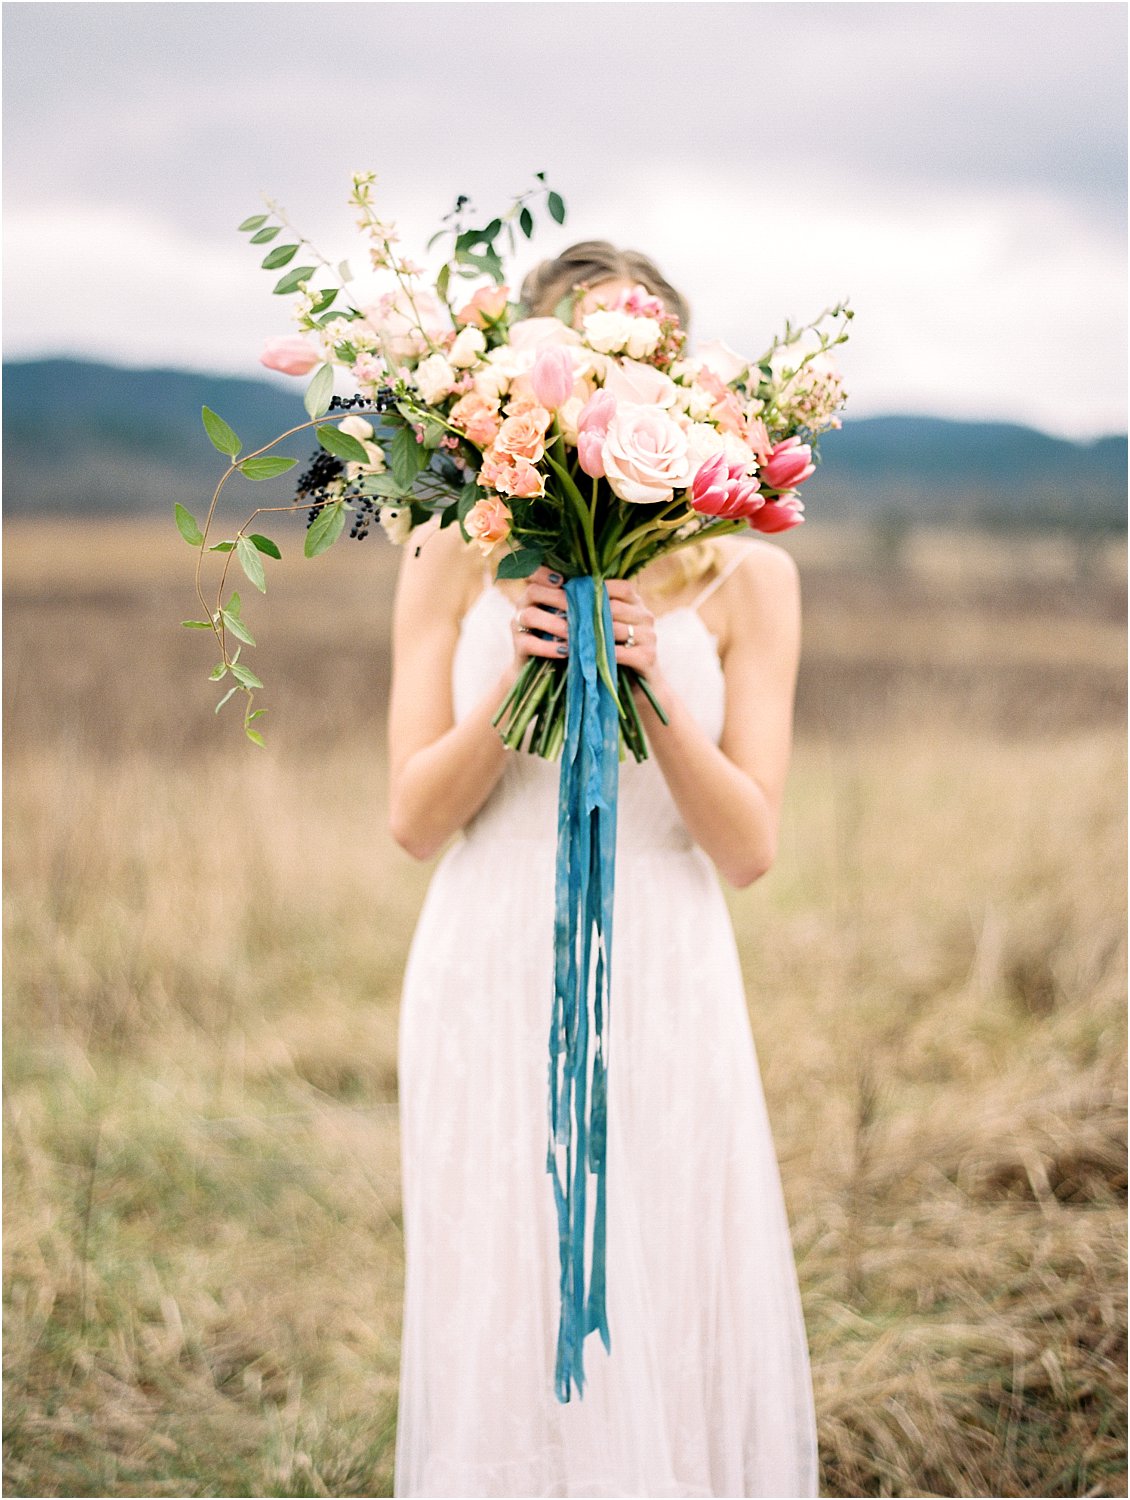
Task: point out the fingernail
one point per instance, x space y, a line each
555 578
562 648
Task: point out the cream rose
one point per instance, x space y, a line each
468 346
434 378
645 455
703 442
607 331
642 385
726 363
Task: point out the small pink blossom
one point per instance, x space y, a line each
291 354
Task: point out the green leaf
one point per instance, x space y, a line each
219 432
252 223
255 715
526 222
467 498
186 525
564 309
221 546
226 696
519 564
264 544
341 445
253 734
237 627
197 624
323 299
266 234
281 255
382 484
289 283
556 208
246 676
443 281
406 457
218 671
325 528
252 563
265 468
233 604
319 391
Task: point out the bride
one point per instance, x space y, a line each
706 1389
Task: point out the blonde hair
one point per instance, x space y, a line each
590 262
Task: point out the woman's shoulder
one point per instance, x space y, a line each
762 583
440 569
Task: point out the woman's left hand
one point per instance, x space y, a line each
630 615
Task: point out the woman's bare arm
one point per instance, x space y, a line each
730 795
440 772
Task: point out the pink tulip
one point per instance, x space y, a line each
552 377
592 428
790 463
779 514
721 489
292 355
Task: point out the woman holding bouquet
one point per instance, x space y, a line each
707 1388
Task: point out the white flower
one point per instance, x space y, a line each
357 427
434 378
703 442
608 332
700 403
642 337
396 522
465 351
738 452
490 382
726 363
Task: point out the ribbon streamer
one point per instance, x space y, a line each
586 862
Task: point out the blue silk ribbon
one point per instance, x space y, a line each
586 863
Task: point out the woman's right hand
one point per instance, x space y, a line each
543 606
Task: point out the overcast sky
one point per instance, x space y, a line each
958 170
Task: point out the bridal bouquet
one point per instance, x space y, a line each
592 440
592 448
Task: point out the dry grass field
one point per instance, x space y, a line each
204 943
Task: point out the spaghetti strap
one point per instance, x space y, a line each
740 554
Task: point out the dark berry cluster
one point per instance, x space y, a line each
364 516
380 402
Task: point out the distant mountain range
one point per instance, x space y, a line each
86 437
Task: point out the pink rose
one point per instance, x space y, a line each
552 376
292 354
531 334
779 514
629 380
477 417
789 464
726 363
486 306
523 436
645 455
592 427
488 523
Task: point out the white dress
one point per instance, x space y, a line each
707 1388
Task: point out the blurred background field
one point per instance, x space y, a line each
204 943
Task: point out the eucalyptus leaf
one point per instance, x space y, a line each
252 223
246 676
186 525
197 624
289 282
267 467
252 563
319 391
266 235
325 528
220 434
264 544
281 255
520 564
526 222
340 444
218 671
226 696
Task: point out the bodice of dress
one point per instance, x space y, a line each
523 804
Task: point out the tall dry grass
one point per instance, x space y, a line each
204 944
